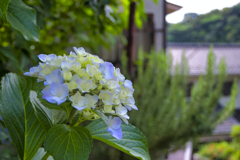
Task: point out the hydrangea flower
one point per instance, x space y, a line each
57 93
114 127
88 83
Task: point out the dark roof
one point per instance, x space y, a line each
196 54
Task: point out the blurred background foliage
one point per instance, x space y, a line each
216 26
168 118
55 26
223 150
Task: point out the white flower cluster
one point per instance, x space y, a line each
88 82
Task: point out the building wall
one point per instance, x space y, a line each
158 16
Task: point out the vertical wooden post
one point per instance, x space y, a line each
131 33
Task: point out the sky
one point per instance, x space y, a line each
197 6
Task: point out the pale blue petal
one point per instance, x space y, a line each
128 107
55 88
107 70
64 64
72 53
79 107
35 70
115 123
80 51
27 74
42 57
53 77
60 90
128 91
134 107
59 100
45 89
75 49
130 101
117 133
51 56
127 83
64 90
71 58
49 96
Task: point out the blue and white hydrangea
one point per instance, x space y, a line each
88 83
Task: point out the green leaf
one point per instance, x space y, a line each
133 141
65 142
66 106
8 52
23 18
4 8
47 117
18 115
39 155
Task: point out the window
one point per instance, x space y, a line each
227 86
189 88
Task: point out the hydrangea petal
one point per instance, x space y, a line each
78 101
91 100
53 77
127 83
45 89
107 70
57 93
117 133
85 86
114 127
115 123
42 57
106 96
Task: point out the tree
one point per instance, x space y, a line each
215 26
166 116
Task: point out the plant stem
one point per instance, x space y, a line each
45 157
73 111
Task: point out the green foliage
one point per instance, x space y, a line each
165 115
65 142
235 133
47 117
4 8
133 142
23 18
62 24
223 150
7 152
216 26
18 116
